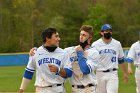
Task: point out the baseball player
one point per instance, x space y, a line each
51 63
134 55
84 61
111 53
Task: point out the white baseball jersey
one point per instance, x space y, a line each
134 53
40 61
78 78
110 54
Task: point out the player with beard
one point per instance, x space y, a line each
111 54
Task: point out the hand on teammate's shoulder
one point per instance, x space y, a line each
32 51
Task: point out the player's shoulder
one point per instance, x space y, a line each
39 49
136 44
97 42
69 48
59 50
116 42
92 50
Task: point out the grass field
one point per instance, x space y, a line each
11 76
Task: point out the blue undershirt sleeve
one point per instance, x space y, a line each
82 63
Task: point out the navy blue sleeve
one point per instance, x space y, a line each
68 72
28 74
82 63
121 60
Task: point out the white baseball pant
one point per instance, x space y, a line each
137 76
107 82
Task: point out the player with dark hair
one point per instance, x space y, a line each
111 54
84 61
51 63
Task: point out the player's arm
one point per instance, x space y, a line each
121 61
57 70
82 61
24 84
66 70
28 74
130 71
130 60
25 81
130 57
123 67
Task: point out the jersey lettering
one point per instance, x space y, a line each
107 51
139 54
49 60
113 59
72 59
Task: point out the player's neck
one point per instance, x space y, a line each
87 46
107 41
49 45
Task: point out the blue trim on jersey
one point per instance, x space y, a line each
82 63
68 72
121 60
31 70
129 60
28 74
90 68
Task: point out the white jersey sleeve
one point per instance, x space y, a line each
134 54
31 64
92 59
131 53
121 54
67 63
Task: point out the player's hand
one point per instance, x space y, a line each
21 91
31 53
78 48
125 77
130 70
52 68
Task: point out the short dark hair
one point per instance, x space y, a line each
48 32
87 28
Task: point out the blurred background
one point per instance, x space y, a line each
21 23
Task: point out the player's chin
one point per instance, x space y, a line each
57 44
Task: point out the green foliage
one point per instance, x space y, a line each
123 15
21 21
97 16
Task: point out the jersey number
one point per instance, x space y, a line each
113 59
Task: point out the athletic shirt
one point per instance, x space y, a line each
134 53
110 54
40 61
78 78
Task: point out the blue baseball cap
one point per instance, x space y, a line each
106 27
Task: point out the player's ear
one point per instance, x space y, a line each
101 34
47 39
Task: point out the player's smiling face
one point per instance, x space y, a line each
83 36
54 40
